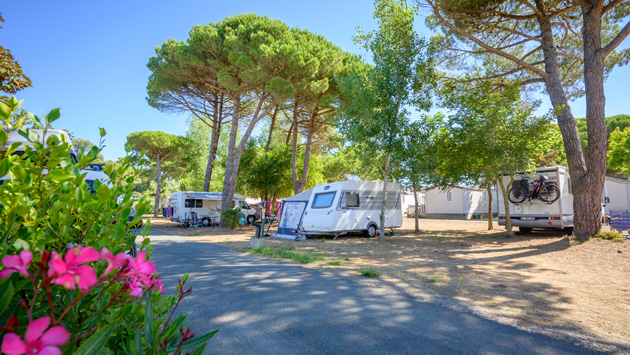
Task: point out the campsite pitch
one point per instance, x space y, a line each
542 282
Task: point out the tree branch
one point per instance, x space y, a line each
625 31
528 66
611 5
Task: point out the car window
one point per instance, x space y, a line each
323 200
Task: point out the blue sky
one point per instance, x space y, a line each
89 57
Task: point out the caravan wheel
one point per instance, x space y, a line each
371 231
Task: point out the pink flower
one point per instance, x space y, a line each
37 341
16 263
68 273
143 269
134 285
119 260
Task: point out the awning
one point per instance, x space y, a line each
216 196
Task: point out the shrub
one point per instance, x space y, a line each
231 217
64 254
369 273
610 235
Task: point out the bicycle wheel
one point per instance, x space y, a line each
517 194
549 193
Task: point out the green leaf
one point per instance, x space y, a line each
59 176
21 244
6 297
196 341
102 191
139 341
53 115
148 321
199 350
3 136
94 344
102 131
5 111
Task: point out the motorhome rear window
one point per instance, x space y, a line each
323 200
352 199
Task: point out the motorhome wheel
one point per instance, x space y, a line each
205 222
371 231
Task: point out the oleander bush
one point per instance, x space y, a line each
68 283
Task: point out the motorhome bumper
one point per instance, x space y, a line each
539 222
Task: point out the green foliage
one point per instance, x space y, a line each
334 263
231 217
619 150
610 235
369 273
47 207
287 253
266 173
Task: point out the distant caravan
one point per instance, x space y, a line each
352 206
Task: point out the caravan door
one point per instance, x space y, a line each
319 215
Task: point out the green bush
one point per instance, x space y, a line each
47 216
610 235
231 217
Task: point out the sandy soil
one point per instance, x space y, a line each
543 282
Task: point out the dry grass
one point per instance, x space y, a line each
543 281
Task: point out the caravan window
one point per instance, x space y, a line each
198 203
188 203
352 199
323 200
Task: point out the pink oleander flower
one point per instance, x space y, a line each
68 272
143 269
16 263
114 261
134 285
37 341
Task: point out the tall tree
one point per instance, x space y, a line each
489 134
375 100
569 46
178 84
12 79
165 150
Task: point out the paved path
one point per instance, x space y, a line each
267 306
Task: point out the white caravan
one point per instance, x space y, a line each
534 213
207 205
349 207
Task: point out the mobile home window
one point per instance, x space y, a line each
323 200
198 203
449 196
188 203
352 199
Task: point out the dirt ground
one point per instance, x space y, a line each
543 282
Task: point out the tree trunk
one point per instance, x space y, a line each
294 133
587 180
415 198
271 126
587 218
384 206
227 179
490 226
506 204
214 140
307 161
159 187
212 154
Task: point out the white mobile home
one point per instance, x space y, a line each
207 206
618 192
460 202
339 208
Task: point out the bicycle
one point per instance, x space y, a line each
544 190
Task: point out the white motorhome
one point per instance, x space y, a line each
534 213
207 206
350 206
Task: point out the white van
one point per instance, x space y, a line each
350 206
207 206
535 213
